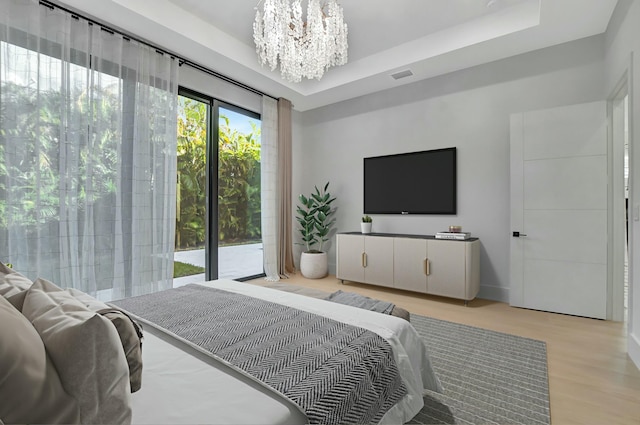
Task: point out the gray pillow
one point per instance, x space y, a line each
30 388
129 331
17 299
12 283
86 351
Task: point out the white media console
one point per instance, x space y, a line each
419 263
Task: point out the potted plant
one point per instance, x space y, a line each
314 217
365 226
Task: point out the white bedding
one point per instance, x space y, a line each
181 385
180 388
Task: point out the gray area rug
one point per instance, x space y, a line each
488 377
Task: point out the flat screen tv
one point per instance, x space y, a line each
411 183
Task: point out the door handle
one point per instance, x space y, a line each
364 259
425 266
518 234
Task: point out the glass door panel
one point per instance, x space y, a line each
217 236
239 222
191 190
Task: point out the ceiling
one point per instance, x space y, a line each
427 37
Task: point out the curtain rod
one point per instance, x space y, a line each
181 60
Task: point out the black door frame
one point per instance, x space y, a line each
211 218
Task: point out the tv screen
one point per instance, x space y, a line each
411 183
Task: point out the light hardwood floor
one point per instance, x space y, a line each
591 378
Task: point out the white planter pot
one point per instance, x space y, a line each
313 265
365 227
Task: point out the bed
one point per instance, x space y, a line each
83 374
265 404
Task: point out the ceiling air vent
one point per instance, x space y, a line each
402 74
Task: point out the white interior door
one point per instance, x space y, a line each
559 207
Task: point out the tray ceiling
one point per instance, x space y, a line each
426 37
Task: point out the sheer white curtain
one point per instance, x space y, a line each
87 153
269 189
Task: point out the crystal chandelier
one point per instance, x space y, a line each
305 49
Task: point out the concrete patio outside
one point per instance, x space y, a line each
234 262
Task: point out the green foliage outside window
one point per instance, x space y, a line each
31 119
238 180
238 184
34 117
191 189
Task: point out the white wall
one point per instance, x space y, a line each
623 55
468 109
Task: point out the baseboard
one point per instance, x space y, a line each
494 293
633 348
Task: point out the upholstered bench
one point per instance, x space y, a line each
316 293
361 301
401 313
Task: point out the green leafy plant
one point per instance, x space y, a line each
314 217
239 208
30 172
192 171
367 219
239 203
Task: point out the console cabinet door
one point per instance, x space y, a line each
447 268
350 251
379 261
409 256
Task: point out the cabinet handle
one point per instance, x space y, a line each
364 259
426 267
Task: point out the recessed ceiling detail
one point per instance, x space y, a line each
430 37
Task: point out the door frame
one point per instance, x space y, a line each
211 199
212 240
214 180
618 222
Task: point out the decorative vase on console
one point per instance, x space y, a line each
365 226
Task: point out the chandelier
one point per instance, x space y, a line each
304 49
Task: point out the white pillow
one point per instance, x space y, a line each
86 351
30 388
87 300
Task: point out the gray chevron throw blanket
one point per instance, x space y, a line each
337 373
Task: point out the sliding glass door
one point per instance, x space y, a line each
191 190
239 225
218 229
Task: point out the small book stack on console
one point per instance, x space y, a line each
455 232
453 235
